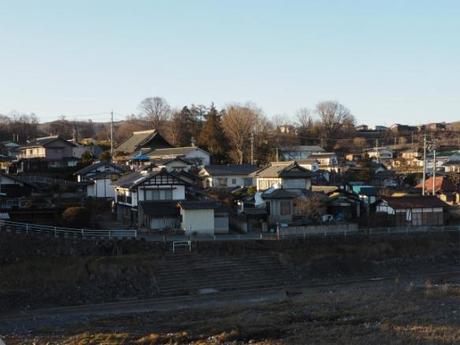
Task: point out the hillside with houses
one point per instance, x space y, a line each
149 183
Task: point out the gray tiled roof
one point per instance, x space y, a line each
284 170
160 208
231 169
199 204
141 139
172 151
43 141
96 166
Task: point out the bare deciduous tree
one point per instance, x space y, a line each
156 110
238 125
334 117
304 118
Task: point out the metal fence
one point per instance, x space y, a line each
16 227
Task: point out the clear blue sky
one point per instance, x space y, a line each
388 61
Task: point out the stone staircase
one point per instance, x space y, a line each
198 274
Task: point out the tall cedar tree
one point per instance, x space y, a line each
212 137
183 123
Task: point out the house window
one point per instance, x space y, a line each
233 181
222 182
247 181
158 194
285 207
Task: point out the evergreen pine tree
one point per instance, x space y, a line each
212 137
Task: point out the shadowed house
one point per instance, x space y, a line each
159 215
412 210
232 175
139 186
96 168
283 175
299 152
46 152
98 179
149 139
284 205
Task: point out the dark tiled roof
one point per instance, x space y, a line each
414 202
285 170
255 211
130 180
159 208
141 139
282 193
199 204
43 141
173 151
231 169
135 178
95 166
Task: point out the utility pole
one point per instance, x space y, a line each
277 156
434 165
111 135
252 148
424 164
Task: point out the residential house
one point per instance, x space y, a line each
379 153
283 204
452 165
311 164
149 139
199 217
353 157
283 175
232 175
443 188
133 188
159 215
343 205
410 154
13 191
283 188
10 149
367 194
412 210
403 129
197 156
299 152
327 161
385 179
46 152
177 164
98 179
96 168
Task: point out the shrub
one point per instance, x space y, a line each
76 217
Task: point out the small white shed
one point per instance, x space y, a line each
197 217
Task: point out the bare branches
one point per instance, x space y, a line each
156 110
238 124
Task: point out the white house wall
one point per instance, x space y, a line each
199 221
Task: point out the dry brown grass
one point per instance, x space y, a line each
393 314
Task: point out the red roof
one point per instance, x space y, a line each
441 183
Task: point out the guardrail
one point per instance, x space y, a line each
55 231
344 231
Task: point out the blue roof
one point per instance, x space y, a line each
364 190
139 156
